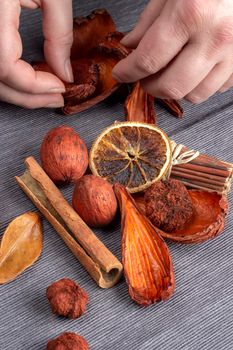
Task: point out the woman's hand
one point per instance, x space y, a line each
182 49
19 83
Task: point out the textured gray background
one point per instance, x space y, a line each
199 315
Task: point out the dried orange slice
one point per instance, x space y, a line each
131 153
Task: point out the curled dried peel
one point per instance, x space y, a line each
208 221
147 263
21 246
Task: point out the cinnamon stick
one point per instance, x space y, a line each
100 263
204 172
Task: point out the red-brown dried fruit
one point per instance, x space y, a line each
208 221
67 298
64 155
145 256
94 200
168 205
68 341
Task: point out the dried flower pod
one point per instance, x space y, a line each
94 200
86 76
64 155
168 205
172 106
68 341
90 31
21 246
67 298
208 221
146 259
139 106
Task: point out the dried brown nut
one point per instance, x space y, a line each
94 200
208 221
139 106
68 341
146 259
64 155
168 205
67 298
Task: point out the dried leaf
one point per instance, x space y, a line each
139 106
21 246
146 259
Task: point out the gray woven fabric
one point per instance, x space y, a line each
200 314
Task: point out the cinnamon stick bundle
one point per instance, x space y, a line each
100 263
205 173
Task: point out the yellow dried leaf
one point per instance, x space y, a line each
21 246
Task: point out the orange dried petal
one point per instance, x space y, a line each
146 259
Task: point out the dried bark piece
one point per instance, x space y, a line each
21 246
139 106
67 298
90 31
208 221
146 259
172 106
68 341
168 205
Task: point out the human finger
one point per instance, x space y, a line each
147 17
58 33
155 50
211 84
186 71
27 100
15 72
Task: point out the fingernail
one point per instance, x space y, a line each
69 71
57 90
126 38
116 77
55 105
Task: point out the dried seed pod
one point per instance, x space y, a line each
146 259
94 200
64 155
68 341
67 298
168 205
21 246
139 106
208 221
172 106
90 31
